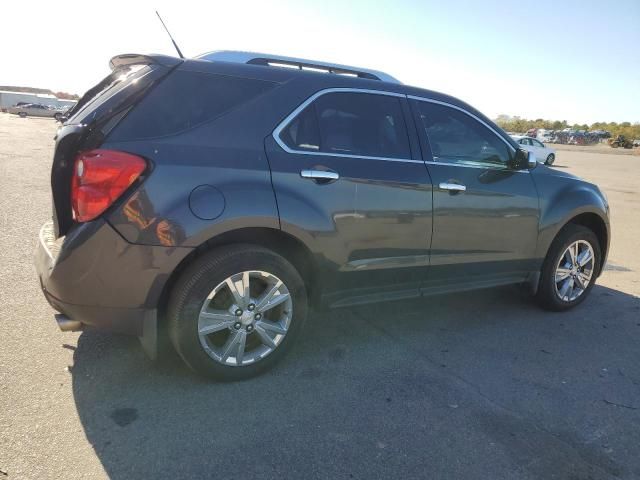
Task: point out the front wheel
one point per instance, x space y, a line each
570 268
22 114
550 159
236 311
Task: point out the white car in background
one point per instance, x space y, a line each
543 153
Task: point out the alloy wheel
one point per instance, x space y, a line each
574 271
245 318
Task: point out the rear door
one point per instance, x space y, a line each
485 223
349 181
35 110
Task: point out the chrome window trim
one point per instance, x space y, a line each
284 123
481 167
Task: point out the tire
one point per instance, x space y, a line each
549 291
550 159
202 289
57 116
22 114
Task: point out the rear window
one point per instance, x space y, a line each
185 100
111 92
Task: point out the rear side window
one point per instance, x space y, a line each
346 123
185 100
112 93
303 133
455 137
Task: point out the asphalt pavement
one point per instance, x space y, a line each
480 385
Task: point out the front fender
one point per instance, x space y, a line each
561 200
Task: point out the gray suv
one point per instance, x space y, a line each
216 198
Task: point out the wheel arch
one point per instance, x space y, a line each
590 219
284 244
599 227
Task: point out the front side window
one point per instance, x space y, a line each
536 143
456 137
346 123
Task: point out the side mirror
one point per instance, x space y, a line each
523 160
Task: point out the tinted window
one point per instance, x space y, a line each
536 143
362 124
187 99
525 141
302 133
123 82
351 124
455 137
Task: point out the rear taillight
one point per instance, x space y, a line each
99 178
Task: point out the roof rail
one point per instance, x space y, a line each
298 63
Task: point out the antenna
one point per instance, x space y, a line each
168 33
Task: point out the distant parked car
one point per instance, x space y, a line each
543 153
35 110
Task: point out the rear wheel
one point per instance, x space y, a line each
236 311
22 114
570 268
550 159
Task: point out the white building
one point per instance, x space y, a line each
9 99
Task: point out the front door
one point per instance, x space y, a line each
350 182
485 222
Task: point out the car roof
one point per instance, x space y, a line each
307 80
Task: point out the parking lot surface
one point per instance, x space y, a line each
480 385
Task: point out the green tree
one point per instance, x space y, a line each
521 125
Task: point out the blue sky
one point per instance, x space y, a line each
562 60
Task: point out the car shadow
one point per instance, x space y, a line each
382 391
